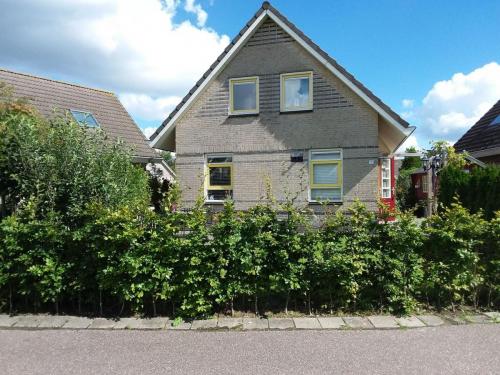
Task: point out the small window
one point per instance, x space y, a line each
244 96
386 178
325 173
425 183
86 119
496 121
296 91
219 179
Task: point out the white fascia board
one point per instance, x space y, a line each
170 125
336 72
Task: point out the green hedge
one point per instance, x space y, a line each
478 189
80 237
269 258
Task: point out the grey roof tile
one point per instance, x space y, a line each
54 97
482 135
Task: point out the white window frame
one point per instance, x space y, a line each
382 178
339 162
243 80
425 183
207 176
283 78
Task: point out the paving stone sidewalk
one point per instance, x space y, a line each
246 324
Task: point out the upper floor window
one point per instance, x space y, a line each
219 178
325 173
86 119
296 91
244 96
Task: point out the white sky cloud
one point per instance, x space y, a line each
134 48
148 108
452 106
408 103
201 15
148 131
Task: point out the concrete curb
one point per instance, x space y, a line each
380 322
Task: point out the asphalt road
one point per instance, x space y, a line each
471 349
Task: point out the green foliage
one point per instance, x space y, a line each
453 269
411 162
85 240
405 191
62 167
478 189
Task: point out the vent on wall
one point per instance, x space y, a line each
297 156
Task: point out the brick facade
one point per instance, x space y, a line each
261 144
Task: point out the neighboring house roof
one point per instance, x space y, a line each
50 97
269 11
483 138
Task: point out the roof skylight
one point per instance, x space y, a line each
86 119
496 121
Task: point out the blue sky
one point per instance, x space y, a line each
434 62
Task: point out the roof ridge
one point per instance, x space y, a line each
270 11
57 81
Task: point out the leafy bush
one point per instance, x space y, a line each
83 239
478 189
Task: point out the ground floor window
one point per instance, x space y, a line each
325 173
385 178
219 177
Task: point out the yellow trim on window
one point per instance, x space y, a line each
312 163
232 82
283 78
338 162
219 187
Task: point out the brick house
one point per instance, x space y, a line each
90 107
482 140
275 110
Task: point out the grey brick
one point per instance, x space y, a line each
281 323
255 324
410 322
230 323
204 324
431 320
52 321
102 323
75 322
357 322
7 321
383 321
306 323
331 322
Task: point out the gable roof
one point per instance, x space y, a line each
47 96
482 135
267 10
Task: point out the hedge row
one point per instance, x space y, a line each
191 264
477 189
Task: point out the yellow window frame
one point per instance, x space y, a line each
219 187
283 78
243 80
312 163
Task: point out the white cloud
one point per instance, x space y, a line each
148 131
148 108
134 48
408 103
201 15
410 142
452 106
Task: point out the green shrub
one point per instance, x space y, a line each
452 252
478 189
